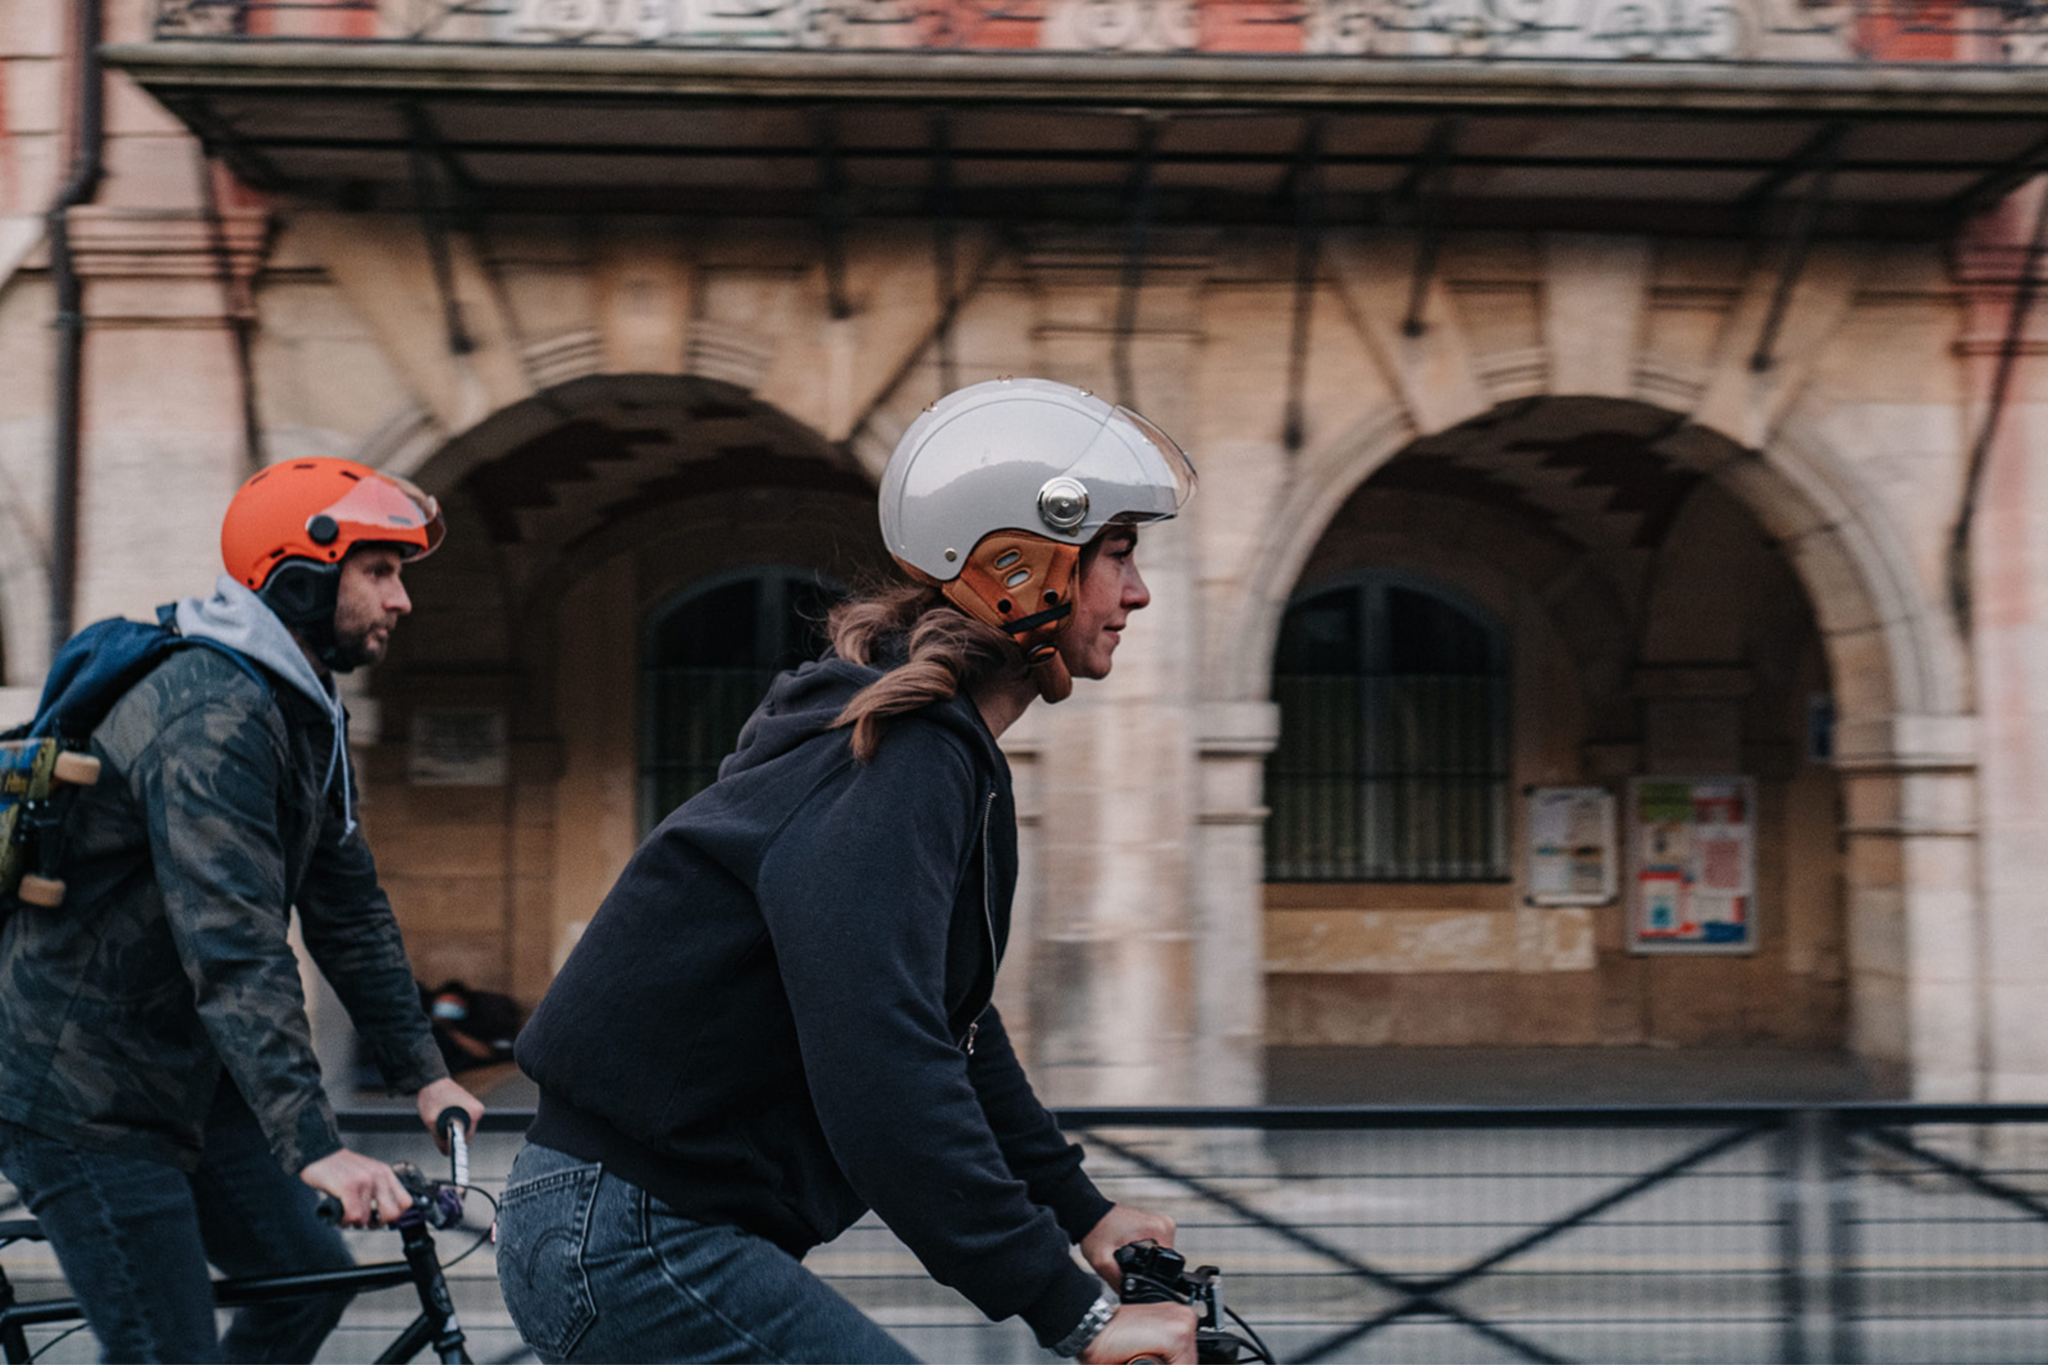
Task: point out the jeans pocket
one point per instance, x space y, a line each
542 1227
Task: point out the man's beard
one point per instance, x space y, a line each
356 647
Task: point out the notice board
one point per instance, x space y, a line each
1692 864
1572 853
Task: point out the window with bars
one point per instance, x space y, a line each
707 658
1392 763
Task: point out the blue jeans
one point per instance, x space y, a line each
134 1238
594 1268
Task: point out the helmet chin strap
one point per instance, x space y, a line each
1023 585
1055 684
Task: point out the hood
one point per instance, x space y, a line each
236 617
802 704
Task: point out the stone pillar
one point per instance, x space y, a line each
162 408
1916 945
1232 741
1114 984
2009 642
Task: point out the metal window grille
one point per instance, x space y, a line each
707 659
1392 763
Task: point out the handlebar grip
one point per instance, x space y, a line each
452 1125
328 1210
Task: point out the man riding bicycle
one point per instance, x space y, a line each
158 1086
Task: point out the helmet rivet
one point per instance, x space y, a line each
952 555
1063 503
323 529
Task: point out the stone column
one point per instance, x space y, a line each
1115 986
1228 866
1916 944
162 407
2009 643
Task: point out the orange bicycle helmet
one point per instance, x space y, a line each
290 526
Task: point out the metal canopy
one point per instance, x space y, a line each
1720 148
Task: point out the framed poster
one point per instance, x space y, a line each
1573 859
1692 864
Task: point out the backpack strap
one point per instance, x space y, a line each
96 667
167 617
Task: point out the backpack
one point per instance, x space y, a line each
42 763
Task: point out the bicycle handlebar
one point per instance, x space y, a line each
452 1126
437 1203
1151 1273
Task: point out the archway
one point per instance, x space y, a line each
504 791
1677 606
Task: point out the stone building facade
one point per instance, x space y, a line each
1546 490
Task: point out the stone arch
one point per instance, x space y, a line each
1896 665
570 514
1851 560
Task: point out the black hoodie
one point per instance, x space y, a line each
779 1018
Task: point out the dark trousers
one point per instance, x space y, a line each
134 1238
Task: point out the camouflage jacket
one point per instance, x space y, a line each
168 960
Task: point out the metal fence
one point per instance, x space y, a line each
1867 1233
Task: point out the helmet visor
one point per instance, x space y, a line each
390 509
1179 469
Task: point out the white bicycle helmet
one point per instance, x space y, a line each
994 490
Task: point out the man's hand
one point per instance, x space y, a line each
368 1190
444 1094
1121 1226
1148 1331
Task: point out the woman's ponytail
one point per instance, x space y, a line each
948 651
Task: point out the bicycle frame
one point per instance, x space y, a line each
436 1325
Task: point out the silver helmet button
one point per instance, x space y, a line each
1063 503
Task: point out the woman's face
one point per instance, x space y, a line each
1110 591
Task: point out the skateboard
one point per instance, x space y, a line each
37 779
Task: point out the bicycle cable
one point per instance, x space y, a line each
1258 1345
483 1236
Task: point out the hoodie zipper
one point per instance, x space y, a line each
988 919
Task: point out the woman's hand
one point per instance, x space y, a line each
1121 1226
1145 1331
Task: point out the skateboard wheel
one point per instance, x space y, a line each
80 770
47 892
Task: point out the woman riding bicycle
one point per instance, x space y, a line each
780 1018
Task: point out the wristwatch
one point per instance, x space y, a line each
1089 1327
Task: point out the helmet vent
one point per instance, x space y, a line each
1018 579
1007 558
